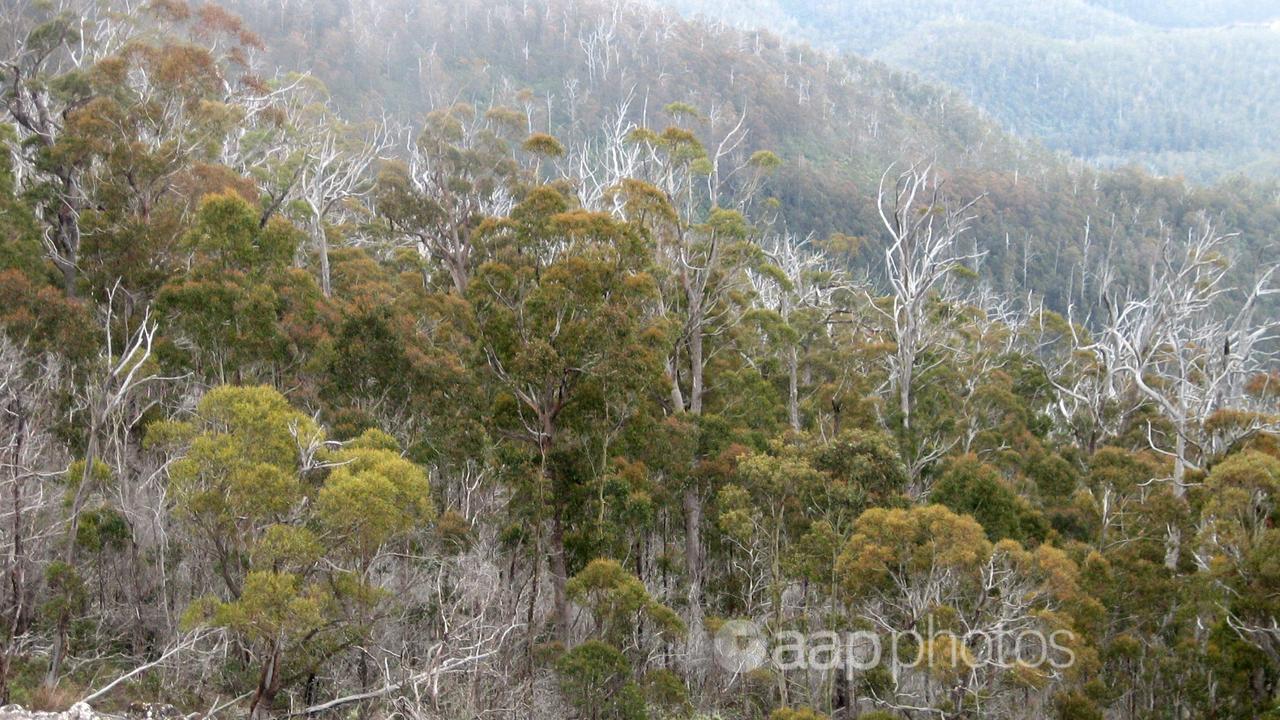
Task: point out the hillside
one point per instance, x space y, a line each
1187 88
836 122
867 26
1202 101
1193 13
583 59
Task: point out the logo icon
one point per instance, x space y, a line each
739 646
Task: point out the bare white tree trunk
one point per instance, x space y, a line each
923 250
1185 354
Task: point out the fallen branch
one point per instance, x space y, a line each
191 640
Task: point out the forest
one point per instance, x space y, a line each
439 359
1182 87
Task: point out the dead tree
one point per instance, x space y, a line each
924 232
1188 344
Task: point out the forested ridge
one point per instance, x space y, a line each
836 122
449 359
1182 88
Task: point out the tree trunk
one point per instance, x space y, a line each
1180 466
677 397
695 372
68 239
905 372
558 558
560 574
1173 541
692 503
268 686
59 649
1172 547
458 275
322 241
793 389
68 231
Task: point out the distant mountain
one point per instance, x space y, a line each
866 26
1205 101
1194 13
1185 87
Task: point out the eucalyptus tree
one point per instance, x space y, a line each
336 172
930 575
799 292
561 321
111 104
33 460
46 79
1188 344
924 230
110 397
460 169
1237 547
1191 341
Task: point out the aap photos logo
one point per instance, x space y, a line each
740 646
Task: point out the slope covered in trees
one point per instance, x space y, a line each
573 66
1193 13
584 71
868 26
1198 101
520 407
1180 88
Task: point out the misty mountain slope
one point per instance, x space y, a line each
1193 13
866 26
836 124
1117 99
1183 88
584 58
